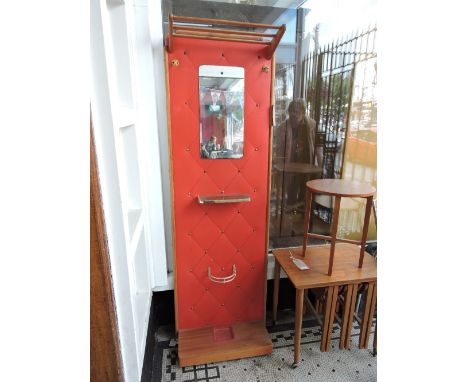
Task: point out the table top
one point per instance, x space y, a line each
345 266
341 187
304 168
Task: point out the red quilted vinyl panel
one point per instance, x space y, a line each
225 234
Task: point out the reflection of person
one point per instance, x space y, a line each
296 144
296 135
208 147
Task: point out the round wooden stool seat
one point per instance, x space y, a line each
341 187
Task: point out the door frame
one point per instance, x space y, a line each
105 351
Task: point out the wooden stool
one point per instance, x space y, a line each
338 188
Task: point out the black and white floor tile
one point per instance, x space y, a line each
337 365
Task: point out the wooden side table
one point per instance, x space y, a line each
346 273
338 188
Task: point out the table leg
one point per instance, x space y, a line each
328 316
276 281
298 325
352 309
332 316
375 340
345 316
366 322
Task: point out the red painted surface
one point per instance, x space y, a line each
219 236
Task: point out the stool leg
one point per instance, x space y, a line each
336 213
306 220
365 228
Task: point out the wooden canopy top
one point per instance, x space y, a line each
196 27
341 187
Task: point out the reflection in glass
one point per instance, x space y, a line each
221 91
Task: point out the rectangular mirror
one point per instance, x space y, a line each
221 91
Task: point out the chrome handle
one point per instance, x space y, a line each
223 280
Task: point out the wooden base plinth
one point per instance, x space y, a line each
198 346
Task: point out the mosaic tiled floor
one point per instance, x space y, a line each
337 365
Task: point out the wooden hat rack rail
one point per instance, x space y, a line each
204 28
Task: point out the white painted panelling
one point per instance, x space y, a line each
111 196
131 170
157 47
119 49
149 123
127 146
141 267
141 298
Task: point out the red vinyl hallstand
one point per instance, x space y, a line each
220 249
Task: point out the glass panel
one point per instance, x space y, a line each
325 59
221 112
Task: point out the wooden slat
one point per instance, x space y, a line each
169 37
201 20
232 35
220 38
222 31
275 42
218 34
325 237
